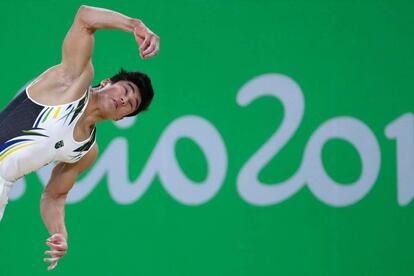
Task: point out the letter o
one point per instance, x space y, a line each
209 140
366 144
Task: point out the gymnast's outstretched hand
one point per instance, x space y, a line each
58 248
149 42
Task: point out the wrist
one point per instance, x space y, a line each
133 23
62 234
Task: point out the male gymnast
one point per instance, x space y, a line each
54 117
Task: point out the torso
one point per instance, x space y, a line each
44 123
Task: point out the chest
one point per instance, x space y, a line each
63 133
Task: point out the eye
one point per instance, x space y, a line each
126 95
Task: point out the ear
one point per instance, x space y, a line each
105 82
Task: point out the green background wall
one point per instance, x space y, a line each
349 58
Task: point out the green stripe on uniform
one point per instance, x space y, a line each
47 114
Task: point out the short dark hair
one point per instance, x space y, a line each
143 82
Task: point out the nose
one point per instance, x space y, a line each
123 100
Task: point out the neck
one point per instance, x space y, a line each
93 113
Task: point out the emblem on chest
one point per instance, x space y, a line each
59 144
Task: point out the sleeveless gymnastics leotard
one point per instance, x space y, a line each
32 135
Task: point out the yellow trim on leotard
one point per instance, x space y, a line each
57 112
15 149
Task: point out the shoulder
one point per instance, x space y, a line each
57 85
85 77
78 85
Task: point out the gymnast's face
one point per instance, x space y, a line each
119 99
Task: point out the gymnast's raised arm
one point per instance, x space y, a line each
79 42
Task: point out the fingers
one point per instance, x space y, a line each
152 54
153 48
57 246
53 259
56 238
148 41
52 265
53 262
55 253
149 48
58 249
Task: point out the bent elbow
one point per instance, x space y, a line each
83 16
82 10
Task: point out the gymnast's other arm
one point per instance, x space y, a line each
79 41
52 205
75 72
